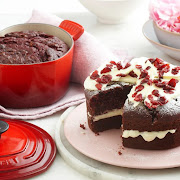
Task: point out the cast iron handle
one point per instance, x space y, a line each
73 28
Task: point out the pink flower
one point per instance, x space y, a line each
166 13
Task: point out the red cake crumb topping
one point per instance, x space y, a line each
158 63
143 74
138 66
161 66
97 134
175 70
162 100
163 69
127 65
119 65
138 97
119 152
169 91
94 75
149 67
139 88
147 104
168 87
156 81
113 62
132 74
109 66
121 75
155 103
161 73
150 97
159 83
133 95
147 80
155 93
173 82
152 60
105 70
82 126
104 79
99 86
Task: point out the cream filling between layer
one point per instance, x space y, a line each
147 136
112 113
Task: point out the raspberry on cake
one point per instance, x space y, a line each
143 97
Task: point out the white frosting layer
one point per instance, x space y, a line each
147 136
115 112
169 75
148 91
90 83
153 73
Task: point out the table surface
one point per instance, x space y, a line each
127 35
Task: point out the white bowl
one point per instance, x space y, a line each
150 34
111 11
171 39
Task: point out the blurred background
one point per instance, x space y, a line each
125 35
19 11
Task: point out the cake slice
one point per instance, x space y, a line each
155 129
105 108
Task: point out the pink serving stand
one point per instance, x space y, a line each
107 146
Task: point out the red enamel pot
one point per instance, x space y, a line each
35 85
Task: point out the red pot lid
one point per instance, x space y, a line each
25 150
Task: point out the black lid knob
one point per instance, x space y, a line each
4 126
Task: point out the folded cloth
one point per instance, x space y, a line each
89 54
74 96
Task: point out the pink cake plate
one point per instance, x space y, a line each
107 146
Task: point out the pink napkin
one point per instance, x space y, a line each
89 54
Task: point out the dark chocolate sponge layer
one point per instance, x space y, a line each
100 102
27 47
163 118
143 119
105 124
169 141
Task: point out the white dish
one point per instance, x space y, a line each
149 33
111 11
171 39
